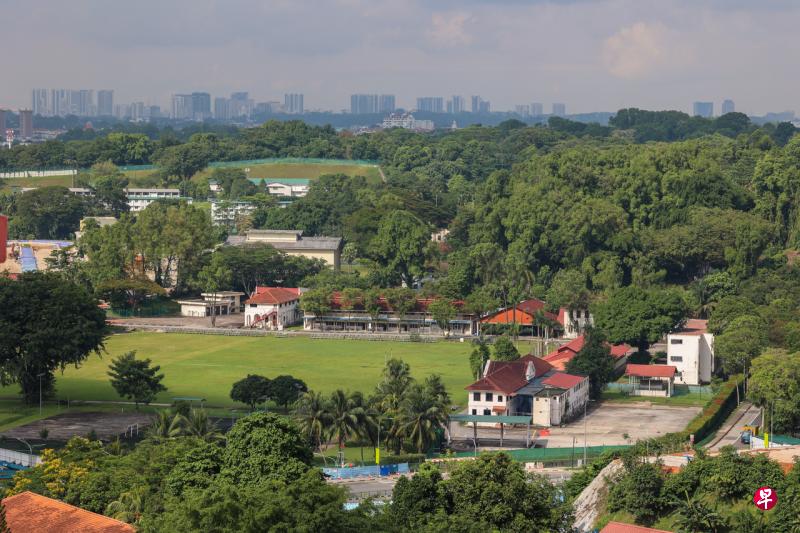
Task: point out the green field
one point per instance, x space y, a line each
207 365
50 181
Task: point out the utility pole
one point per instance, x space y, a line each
585 411
40 393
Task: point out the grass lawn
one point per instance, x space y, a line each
207 365
689 399
63 181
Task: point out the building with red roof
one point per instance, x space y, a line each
564 354
29 512
529 386
272 308
352 314
690 349
526 315
651 380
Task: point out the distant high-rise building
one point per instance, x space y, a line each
268 108
40 103
728 107
105 102
537 109
431 104
293 103
137 111
476 104
523 110
2 125
559 110
154 112
371 103
122 111
26 123
455 104
201 106
182 107
703 109
85 104
241 96
222 108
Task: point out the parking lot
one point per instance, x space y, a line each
606 424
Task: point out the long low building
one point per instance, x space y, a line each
354 317
293 242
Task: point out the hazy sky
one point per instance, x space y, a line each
592 55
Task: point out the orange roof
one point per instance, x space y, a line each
650 371
273 295
28 512
619 527
525 313
563 381
563 354
509 376
693 326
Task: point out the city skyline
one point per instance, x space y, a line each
652 55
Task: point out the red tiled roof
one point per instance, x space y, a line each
563 381
650 371
540 366
563 354
619 527
503 376
273 295
28 512
693 326
526 313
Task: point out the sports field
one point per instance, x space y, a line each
207 365
50 181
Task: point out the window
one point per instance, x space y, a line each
489 397
676 341
253 305
487 412
476 396
499 397
676 359
474 411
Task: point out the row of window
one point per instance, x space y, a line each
486 412
476 397
676 358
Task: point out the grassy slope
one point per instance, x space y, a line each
207 365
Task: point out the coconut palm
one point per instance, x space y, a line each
422 414
312 416
344 417
129 507
694 516
166 425
198 424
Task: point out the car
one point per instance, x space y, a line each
745 436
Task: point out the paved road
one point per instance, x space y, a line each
745 414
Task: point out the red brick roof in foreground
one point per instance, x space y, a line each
273 295
563 381
650 371
619 527
28 512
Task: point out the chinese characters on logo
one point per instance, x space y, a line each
765 498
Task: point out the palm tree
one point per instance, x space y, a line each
166 425
422 414
129 507
694 516
391 390
198 424
313 416
344 417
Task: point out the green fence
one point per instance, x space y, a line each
167 309
548 455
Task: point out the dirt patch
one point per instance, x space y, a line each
63 427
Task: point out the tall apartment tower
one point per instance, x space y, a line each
181 106
559 109
431 104
537 109
703 109
105 102
728 107
455 104
40 103
293 103
26 123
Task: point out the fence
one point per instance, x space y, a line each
19 458
146 311
678 390
366 471
548 456
37 173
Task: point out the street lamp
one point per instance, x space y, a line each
40 393
585 410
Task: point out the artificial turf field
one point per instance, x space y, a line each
207 365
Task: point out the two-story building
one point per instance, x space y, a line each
566 352
219 303
529 386
272 308
139 199
690 350
293 242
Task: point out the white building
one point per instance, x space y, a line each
139 199
407 121
529 386
691 351
574 321
277 188
273 308
227 212
221 303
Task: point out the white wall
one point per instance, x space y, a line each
287 314
693 356
480 405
